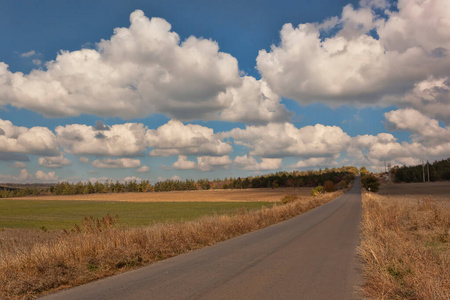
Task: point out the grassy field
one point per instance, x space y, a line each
64 214
134 209
406 241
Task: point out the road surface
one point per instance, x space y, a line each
312 256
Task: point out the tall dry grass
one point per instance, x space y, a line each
405 248
76 258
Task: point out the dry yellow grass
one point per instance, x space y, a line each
250 195
34 268
406 242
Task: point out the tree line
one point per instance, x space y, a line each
438 170
341 177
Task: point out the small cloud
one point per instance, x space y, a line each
99 179
50 176
121 163
84 160
28 54
37 62
54 161
19 164
131 178
143 169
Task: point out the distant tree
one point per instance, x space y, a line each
363 171
329 186
370 183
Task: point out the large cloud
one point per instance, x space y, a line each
35 140
424 129
431 96
352 66
141 70
253 102
375 151
119 140
175 138
281 140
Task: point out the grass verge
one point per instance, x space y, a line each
77 258
405 247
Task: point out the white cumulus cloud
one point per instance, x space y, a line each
35 140
46 177
140 70
277 140
352 66
204 163
143 169
175 138
120 140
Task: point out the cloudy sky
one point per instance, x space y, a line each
212 89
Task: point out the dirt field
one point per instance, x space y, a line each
246 195
439 191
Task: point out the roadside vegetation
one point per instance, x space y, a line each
405 246
32 264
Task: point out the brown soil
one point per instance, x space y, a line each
438 191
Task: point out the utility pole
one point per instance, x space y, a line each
423 170
428 168
389 166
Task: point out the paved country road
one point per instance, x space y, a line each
312 256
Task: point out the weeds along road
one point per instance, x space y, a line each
312 256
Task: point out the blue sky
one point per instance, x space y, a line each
206 89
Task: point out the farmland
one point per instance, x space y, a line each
237 195
55 259
134 209
65 214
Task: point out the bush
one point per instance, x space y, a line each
289 198
370 183
329 186
317 191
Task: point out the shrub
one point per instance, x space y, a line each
370 183
289 198
317 191
329 186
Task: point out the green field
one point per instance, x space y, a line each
65 214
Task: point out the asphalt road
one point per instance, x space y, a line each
312 256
